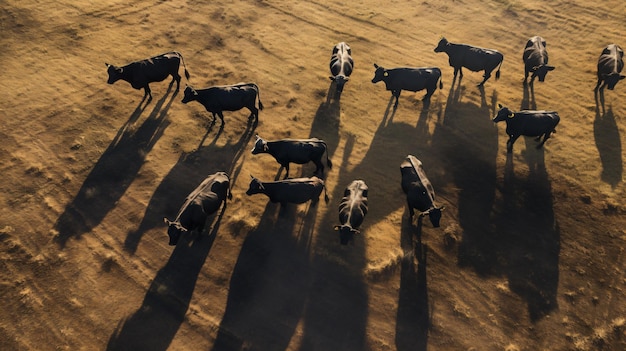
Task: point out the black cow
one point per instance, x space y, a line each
527 123
227 98
139 74
341 65
473 58
299 151
419 191
610 65
535 59
352 211
294 191
199 204
407 78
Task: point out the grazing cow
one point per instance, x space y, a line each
139 74
610 65
527 123
407 78
473 58
419 191
352 211
199 204
535 59
341 65
299 151
226 98
294 191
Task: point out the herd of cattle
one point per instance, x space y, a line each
208 197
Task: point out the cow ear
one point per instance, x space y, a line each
346 79
355 231
106 64
442 208
500 106
550 68
336 227
375 66
621 77
167 221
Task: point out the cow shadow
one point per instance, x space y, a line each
114 172
185 176
269 283
529 236
468 142
413 315
528 98
609 144
156 322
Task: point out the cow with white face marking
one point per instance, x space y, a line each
610 65
341 65
535 59
528 123
352 211
199 204
420 193
140 73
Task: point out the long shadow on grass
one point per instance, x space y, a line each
468 143
413 316
528 235
270 281
114 172
188 172
155 323
609 144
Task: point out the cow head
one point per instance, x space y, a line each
503 114
115 73
340 81
380 74
174 230
346 234
260 146
190 94
256 187
541 71
612 79
442 46
434 214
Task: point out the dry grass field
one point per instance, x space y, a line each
529 256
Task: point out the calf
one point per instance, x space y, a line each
535 59
299 151
527 123
199 204
352 211
411 79
140 73
473 58
419 191
341 65
234 97
294 191
610 65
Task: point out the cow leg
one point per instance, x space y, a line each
487 75
510 142
319 167
396 93
147 92
176 77
221 115
411 211
546 136
429 92
254 112
286 167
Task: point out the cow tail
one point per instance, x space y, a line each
440 83
498 71
328 163
184 66
258 94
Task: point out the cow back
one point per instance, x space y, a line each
472 57
353 206
611 60
411 79
535 53
296 190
